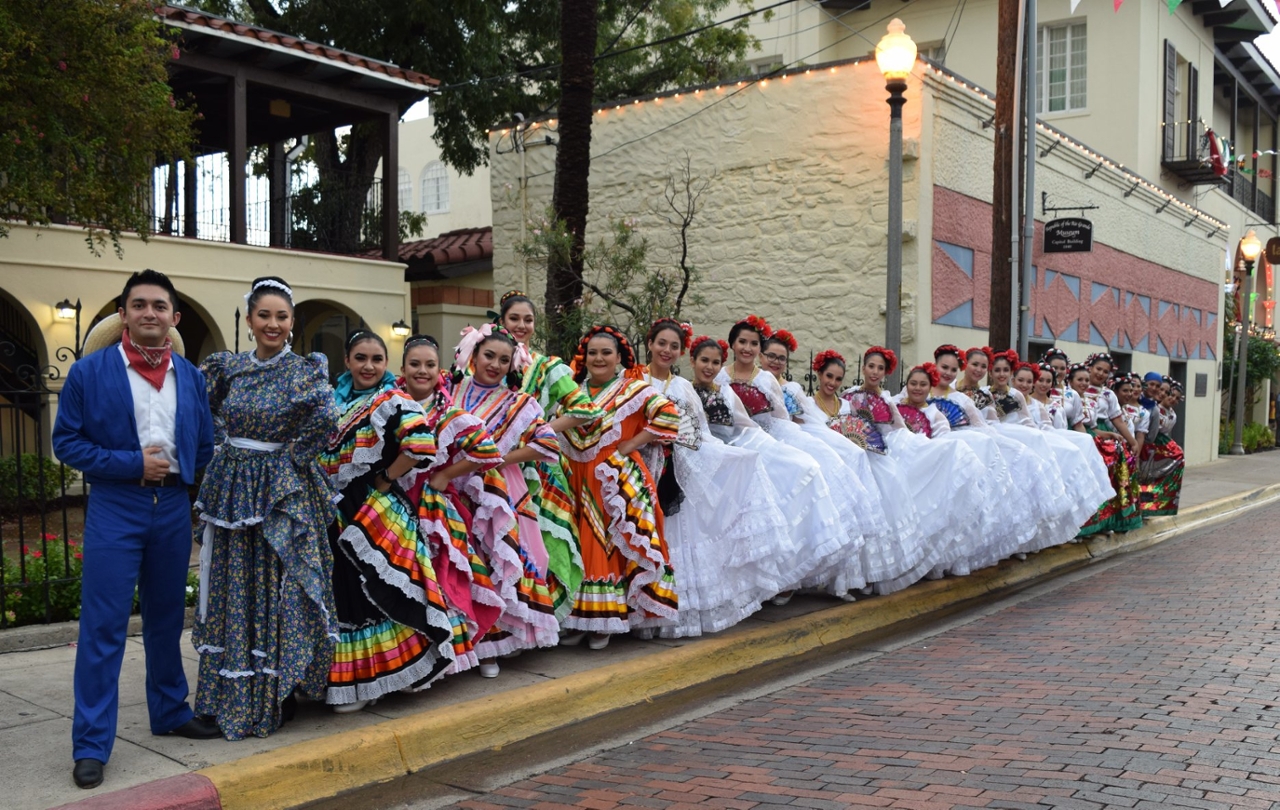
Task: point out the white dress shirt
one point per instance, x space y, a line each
156 412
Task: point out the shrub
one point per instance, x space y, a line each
37 489
44 569
1255 437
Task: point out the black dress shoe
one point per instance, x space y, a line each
198 728
288 708
87 773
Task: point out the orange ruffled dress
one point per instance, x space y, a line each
628 582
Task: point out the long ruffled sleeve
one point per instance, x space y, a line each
561 396
461 436
315 409
772 389
971 411
662 417
538 435
217 383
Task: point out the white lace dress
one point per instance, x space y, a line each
729 536
1006 524
814 516
1075 493
841 570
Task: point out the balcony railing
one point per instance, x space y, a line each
1247 193
341 213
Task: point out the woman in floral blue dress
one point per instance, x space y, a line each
265 623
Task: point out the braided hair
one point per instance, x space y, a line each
626 354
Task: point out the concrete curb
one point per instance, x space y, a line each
319 769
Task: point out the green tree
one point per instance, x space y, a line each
85 114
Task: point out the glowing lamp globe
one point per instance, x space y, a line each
896 52
1250 247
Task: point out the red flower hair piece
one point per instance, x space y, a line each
890 359
930 370
787 339
685 330
759 325
1008 355
702 340
986 351
1034 368
826 356
948 348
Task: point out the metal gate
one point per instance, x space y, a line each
42 501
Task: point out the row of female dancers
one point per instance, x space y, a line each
372 536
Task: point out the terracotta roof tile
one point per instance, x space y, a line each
200 18
465 245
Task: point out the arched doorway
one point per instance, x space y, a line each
199 330
23 392
322 326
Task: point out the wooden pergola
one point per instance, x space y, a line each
260 87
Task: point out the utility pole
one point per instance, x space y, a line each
1009 31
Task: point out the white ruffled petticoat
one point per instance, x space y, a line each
729 536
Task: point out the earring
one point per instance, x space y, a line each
249 334
291 336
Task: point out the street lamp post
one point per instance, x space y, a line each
896 56
1250 247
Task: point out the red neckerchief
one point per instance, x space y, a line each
151 363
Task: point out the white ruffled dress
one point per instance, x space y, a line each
841 570
813 516
729 536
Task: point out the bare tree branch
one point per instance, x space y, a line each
613 301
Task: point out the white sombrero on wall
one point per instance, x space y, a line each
108 331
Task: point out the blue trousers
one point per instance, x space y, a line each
132 535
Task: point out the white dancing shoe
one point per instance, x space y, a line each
783 598
353 707
489 669
598 641
572 639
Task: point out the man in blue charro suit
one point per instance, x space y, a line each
134 419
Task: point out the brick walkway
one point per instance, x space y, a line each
1153 684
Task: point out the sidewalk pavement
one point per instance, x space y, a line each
320 754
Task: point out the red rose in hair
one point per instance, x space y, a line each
760 325
987 351
825 356
724 350
787 340
931 371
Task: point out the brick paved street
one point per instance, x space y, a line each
1152 684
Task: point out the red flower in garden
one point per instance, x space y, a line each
78 555
26 550
36 554
48 536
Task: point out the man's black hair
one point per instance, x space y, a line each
153 277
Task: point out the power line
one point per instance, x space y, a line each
610 54
746 84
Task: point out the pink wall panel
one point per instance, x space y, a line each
1131 292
